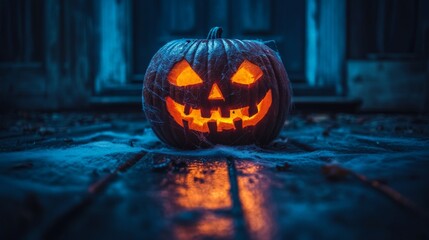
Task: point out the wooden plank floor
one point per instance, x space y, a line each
90 176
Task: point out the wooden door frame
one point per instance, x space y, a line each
324 67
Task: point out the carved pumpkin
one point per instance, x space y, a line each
200 92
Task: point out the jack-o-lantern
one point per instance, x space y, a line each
200 92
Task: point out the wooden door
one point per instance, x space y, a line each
156 22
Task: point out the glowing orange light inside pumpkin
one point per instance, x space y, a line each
182 75
215 93
196 122
247 73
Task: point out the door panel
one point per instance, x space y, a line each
157 22
255 15
182 15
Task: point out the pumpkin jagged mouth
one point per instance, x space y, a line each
238 118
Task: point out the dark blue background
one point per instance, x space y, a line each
79 54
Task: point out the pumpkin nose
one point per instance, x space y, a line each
215 93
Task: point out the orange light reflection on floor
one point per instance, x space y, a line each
253 195
205 187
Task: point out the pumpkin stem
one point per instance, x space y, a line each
215 32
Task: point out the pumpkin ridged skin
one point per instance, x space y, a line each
215 60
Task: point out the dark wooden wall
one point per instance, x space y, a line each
48 53
387 51
74 54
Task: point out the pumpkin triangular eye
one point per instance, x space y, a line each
247 73
182 74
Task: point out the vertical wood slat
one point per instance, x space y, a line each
78 51
326 48
52 45
18 30
182 15
218 14
114 40
311 38
28 39
255 15
69 53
